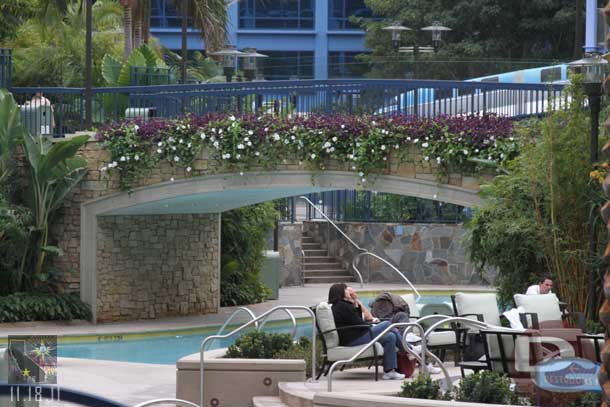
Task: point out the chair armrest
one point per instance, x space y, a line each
479 317
346 327
523 317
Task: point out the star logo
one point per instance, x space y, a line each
26 372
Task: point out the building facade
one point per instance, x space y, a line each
305 39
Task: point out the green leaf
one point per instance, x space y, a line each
111 68
60 151
52 250
152 59
136 59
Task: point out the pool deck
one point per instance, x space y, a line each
306 295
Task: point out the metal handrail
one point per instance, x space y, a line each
356 261
361 250
373 342
238 311
292 318
254 321
166 401
443 321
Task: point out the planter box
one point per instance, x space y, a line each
346 399
233 382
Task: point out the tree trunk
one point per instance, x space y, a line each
579 29
145 20
127 28
184 39
138 18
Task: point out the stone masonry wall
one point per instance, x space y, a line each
425 253
157 266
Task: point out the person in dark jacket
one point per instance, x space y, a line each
347 311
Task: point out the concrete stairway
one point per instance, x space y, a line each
320 268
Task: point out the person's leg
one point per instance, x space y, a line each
387 341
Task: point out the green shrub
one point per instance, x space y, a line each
263 345
42 307
422 387
593 327
588 399
488 388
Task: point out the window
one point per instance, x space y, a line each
276 14
550 74
163 14
287 65
340 11
344 64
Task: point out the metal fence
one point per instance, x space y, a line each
6 67
377 97
367 206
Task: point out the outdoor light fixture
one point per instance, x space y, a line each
593 68
437 30
229 56
396 29
250 56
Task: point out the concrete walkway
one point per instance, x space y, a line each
307 295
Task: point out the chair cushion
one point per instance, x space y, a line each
326 322
517 351
439 338
485 304
410 299
346 352
545 305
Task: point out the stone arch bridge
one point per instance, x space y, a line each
154 251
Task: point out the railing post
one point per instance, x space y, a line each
416 102
484 101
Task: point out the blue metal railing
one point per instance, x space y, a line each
6 67
374 96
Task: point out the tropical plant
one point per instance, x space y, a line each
536 218
422 387
488 388
42 307
53 170
118 73
11 133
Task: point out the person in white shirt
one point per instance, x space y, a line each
544 286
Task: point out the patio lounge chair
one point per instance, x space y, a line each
544 311
332 351
442 338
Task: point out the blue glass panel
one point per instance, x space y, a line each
276 14
287 65
339 12
345 65
163 14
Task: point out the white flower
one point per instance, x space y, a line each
511 138
361 173
293 137
176 158
241 173
173 148
238 156
358 144
332 149
246 138
113 164
172 179
257 153
489 157
180 141
216 144
286 141
219 131
383 148
188 169
276 137
502 155
159 150
408 138
136 127
363 180
123 158
232 118
416 141
374 123
476 150
426 158
335 139
385 158
354 167
350 156
127 158
465 152
250 132
159 143
249 143
137 158
171 139
313 156
240 147
343 126
202 136
227 156
103 169
438 160
372 151
425 145
189 145
266 129
213 129
396 146
326 145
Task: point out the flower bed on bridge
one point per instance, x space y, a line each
365 142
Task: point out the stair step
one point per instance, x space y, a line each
316 253
267 401
318 259
310 246
322 265
325 271
307 239
329 279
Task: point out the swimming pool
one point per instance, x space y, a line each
168 348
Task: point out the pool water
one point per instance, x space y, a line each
169 349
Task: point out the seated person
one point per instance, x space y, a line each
544 286
348 310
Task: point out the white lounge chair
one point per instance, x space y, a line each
332 351
540 311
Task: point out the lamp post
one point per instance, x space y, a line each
436 30
229 56
593 68
396 29
250 56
